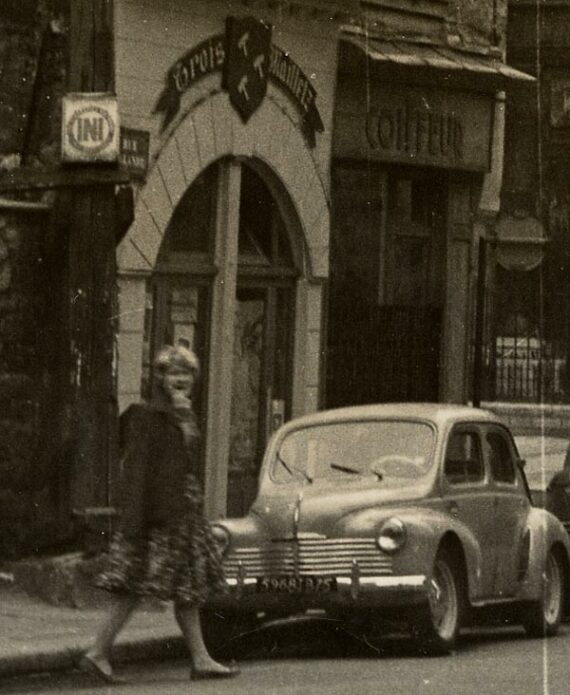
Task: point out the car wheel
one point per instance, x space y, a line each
542 618
436 628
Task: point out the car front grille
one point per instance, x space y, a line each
309 557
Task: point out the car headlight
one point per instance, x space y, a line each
221 536
392 536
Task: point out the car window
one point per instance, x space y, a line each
500 458
395 452
463 459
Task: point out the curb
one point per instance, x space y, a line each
66 658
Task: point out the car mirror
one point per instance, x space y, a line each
521 462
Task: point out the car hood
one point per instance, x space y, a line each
325 511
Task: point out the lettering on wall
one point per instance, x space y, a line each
247 62
412 124
416 132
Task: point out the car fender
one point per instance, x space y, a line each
546 531
245 531
427 529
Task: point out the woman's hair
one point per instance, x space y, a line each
176 357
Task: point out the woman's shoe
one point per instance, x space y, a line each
88 665
200 674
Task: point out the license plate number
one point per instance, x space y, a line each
296 585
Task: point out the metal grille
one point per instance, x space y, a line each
527 347
307 557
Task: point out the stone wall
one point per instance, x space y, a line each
32 74
20 377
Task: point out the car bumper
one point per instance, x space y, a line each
356 592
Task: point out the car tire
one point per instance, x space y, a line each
436 627
542 618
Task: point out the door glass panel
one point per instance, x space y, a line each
180 316
247 399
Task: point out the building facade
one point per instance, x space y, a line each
377 142
311 181
229 248
416 180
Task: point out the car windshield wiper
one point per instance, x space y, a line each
352 471
291 470
346 469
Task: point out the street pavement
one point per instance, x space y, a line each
36 636
489 662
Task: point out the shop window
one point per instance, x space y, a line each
411 268
357 238
396 216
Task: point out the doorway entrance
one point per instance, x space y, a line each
228 252
387 284
260 385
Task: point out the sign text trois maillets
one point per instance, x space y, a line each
210 56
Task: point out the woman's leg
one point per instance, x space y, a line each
121 609
188 618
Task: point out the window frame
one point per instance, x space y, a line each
474 430
498 430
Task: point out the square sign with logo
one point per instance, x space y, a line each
90 128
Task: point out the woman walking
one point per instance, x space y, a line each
164 546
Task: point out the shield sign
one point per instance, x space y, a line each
248 50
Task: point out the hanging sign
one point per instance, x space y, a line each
247 59
521 241
90 128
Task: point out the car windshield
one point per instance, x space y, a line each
397 452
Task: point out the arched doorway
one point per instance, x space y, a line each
211 264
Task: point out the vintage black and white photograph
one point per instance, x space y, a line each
285 347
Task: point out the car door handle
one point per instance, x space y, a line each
452 507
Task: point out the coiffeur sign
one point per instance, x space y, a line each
247 59
90 128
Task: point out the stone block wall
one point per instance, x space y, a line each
32 75
21 306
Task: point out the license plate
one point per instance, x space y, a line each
296 585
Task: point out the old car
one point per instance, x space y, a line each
547 470
419 511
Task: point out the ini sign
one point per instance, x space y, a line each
90 128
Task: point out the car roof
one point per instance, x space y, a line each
439 413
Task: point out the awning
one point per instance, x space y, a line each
439 64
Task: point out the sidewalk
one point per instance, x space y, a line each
36 636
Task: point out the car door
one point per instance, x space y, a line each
468 496
511 509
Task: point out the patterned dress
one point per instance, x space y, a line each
164 546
